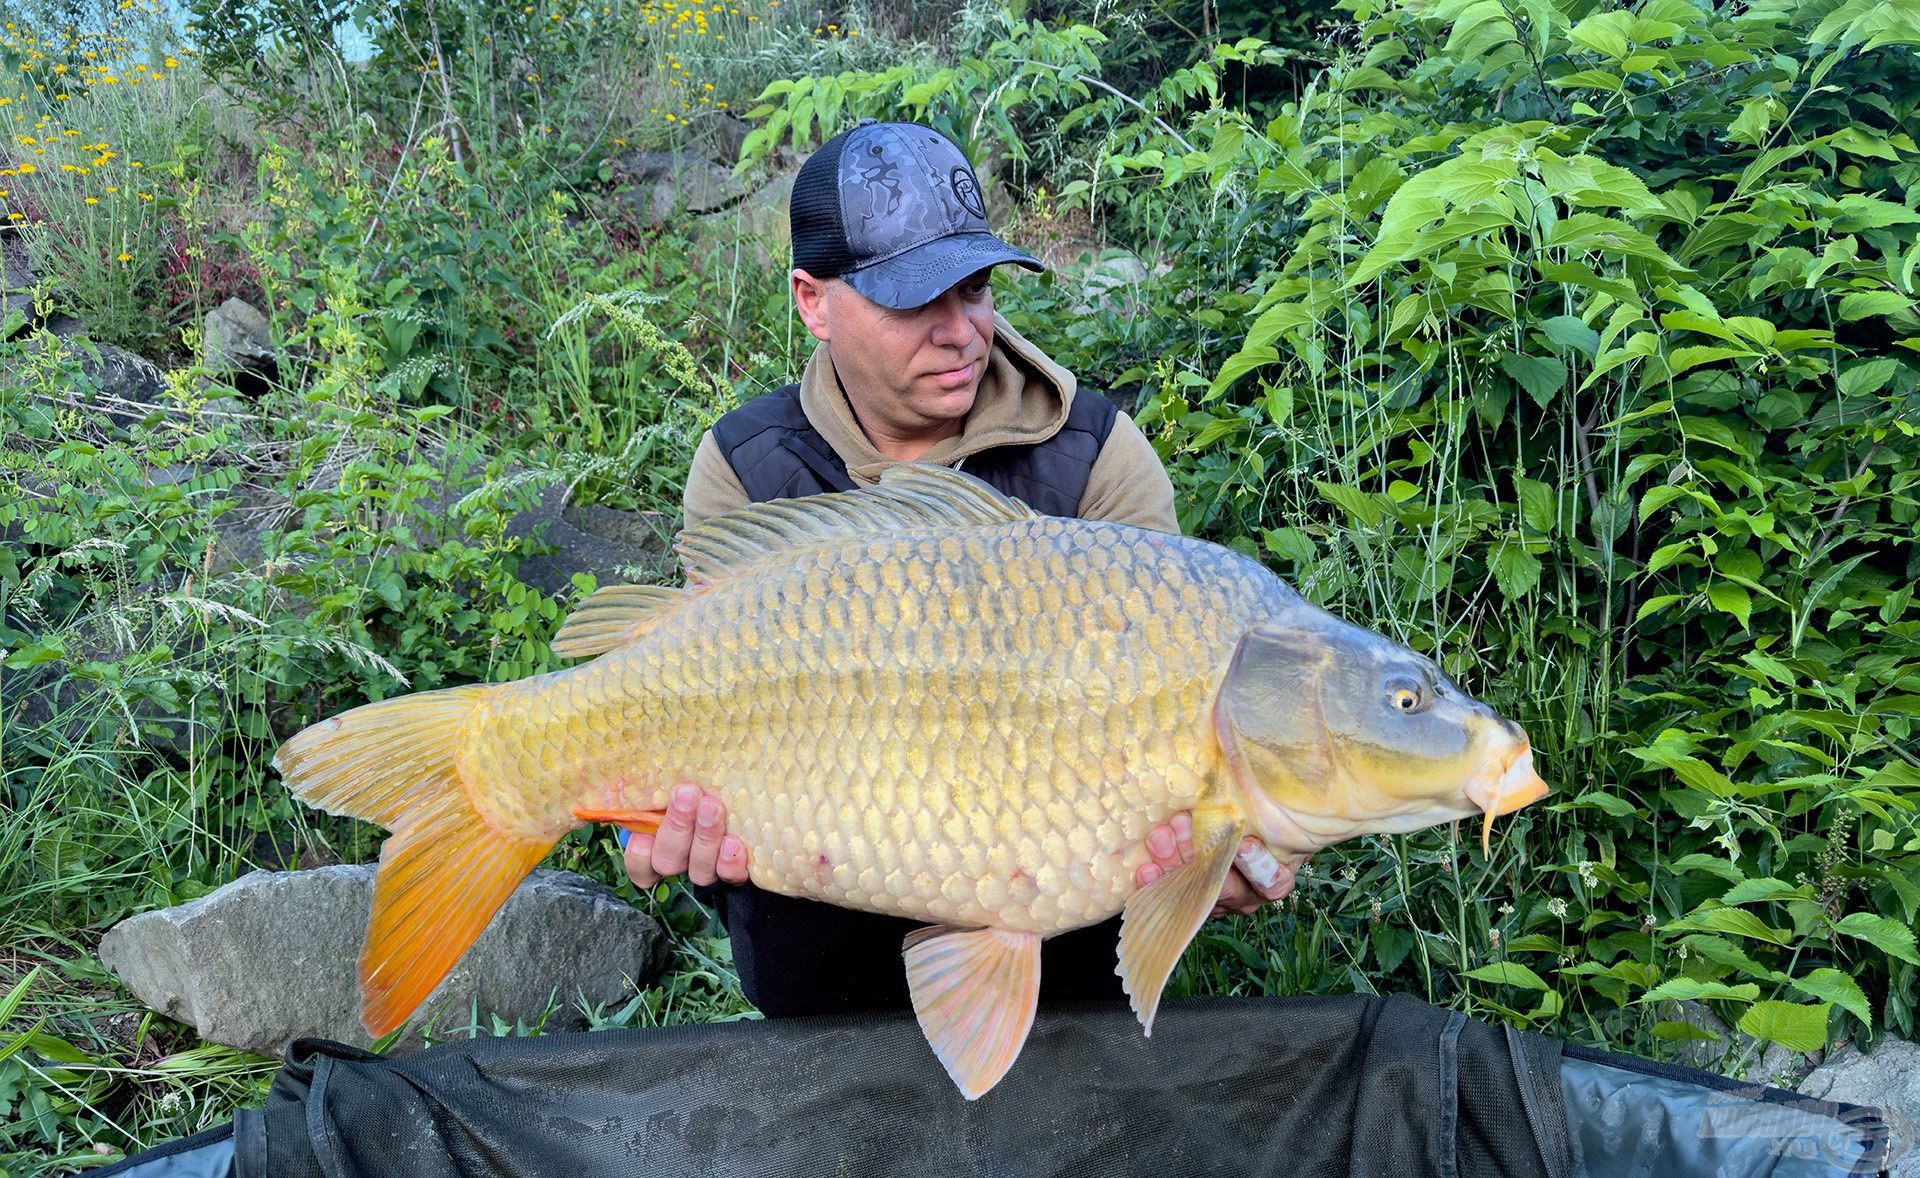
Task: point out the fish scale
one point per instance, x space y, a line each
957 703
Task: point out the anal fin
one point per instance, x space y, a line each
975 991
1162 917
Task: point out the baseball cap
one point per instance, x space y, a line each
895 211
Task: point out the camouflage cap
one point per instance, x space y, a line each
896 211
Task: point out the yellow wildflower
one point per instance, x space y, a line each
124 258
93 200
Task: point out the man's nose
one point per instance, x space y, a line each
951 328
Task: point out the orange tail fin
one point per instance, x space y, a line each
444 871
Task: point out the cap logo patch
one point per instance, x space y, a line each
967 190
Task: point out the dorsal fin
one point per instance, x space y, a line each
910 495
612 616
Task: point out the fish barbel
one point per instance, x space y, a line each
922 699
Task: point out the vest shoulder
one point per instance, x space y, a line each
776 410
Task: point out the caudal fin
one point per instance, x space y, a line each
444 871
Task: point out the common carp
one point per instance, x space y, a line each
920 698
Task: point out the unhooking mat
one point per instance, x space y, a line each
1316 1086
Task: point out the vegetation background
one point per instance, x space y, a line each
1571 342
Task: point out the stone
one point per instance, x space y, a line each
1888 1079
1734 1053
660 183
238 344
1108 283
759 223
728 130
271 957
611 544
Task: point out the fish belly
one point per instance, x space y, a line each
971 726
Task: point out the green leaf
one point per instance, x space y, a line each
1508 973
1839 989
1537 504
1797 1027
1570 331
1541 376
1516 570
1883 933
1693 989
1868 376
1730 598
1355 502
1238 365
1735 921
1864 303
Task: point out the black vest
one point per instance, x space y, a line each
777 454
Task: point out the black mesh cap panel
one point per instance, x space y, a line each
819 235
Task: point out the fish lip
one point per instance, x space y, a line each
1507 783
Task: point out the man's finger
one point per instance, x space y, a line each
709 824
1182 824
675 838
1164 848
732 867
1237 896
1270 877
639 862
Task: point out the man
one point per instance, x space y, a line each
892 256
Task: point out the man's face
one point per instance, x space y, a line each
908 373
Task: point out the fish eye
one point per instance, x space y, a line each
1406 695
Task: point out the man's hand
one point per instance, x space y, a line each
692 838
1256 878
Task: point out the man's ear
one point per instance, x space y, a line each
810 299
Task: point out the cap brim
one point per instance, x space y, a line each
922 274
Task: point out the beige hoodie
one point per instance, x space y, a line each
1024 397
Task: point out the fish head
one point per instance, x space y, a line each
1333 731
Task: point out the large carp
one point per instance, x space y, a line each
924 699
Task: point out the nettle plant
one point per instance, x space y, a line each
1584 359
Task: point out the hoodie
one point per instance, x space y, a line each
1023 399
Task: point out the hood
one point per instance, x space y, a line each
1023 399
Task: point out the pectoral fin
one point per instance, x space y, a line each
974 991
1163 916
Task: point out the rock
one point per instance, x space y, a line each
238 346
1734 1053
759 222
728 130
1889 1079
1108 283
662 182
613 545
271 958
17 280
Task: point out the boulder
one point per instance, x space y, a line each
272 957
659 183
1734 1053
759 223
17 279
237 339
1889 1079
611 544
1107 283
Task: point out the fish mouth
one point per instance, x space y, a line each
1507 784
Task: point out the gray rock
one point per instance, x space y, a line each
728 130
237 338
659 183
613 545
759 223
272 957
1108 283
1889 1079
1734 1053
